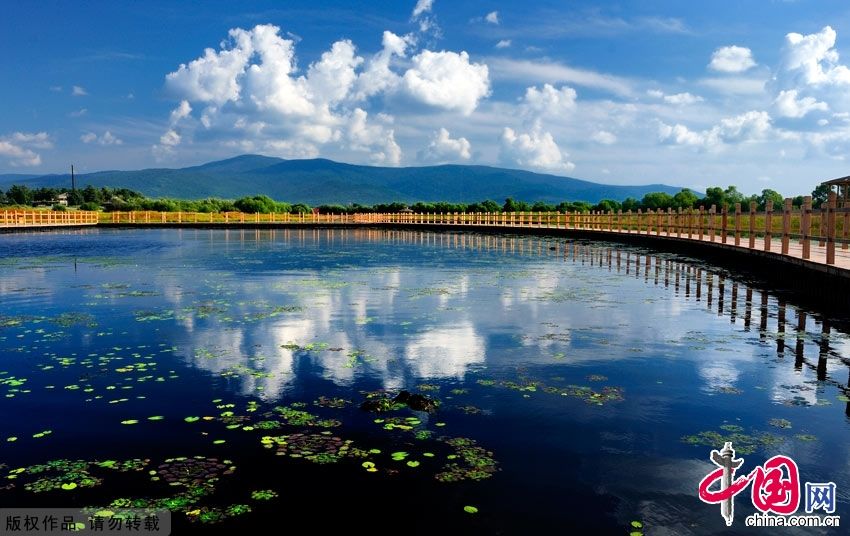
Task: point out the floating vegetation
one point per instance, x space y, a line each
469 461
779 423
597 378
744 443
69 474
470 509
806 437
470 410
335 403
587 394
263 495
67 320
380 402
317 448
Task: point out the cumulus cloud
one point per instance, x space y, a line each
789 105
182 111
492 17
422 16
377 77
675 99
107 138
79 91
39 140
447 80
18 147
504 43
421 7
373 138
813 58
549 101
732 59
445 149
749 126
251 89
535 149
604 137
682 98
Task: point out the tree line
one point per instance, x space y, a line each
123 199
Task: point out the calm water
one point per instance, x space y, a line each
581 385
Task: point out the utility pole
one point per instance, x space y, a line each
73 180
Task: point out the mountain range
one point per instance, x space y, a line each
320 181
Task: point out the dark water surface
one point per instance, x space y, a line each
581 385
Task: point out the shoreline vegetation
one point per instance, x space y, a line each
122 199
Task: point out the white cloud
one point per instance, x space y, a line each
535 149
39 140
447 80
78 91
376 139
504 43
251 90
676 99
552 72
107 138
492 17
182 111
422 6
377 77
17 148
788 105
813 58
732 59
548 100
735 85
78 113
604 137
445 149
422 15
682 99
749 126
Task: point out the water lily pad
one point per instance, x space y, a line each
470 509
130 421
413 463
192 419
69 486
156 418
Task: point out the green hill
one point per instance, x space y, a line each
320 181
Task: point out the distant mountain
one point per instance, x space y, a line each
319 181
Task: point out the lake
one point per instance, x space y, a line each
550 386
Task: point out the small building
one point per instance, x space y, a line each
842 189
61 199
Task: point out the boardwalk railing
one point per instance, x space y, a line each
46 218
806 233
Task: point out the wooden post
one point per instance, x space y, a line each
830 228
805 225
786 225
737 224
768 224
752 224
821 231
724 222
699 221
711 212
845 223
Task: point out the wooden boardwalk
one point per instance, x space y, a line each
808 238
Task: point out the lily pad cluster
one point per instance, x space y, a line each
468 462
589 395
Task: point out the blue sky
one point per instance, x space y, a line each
754 93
